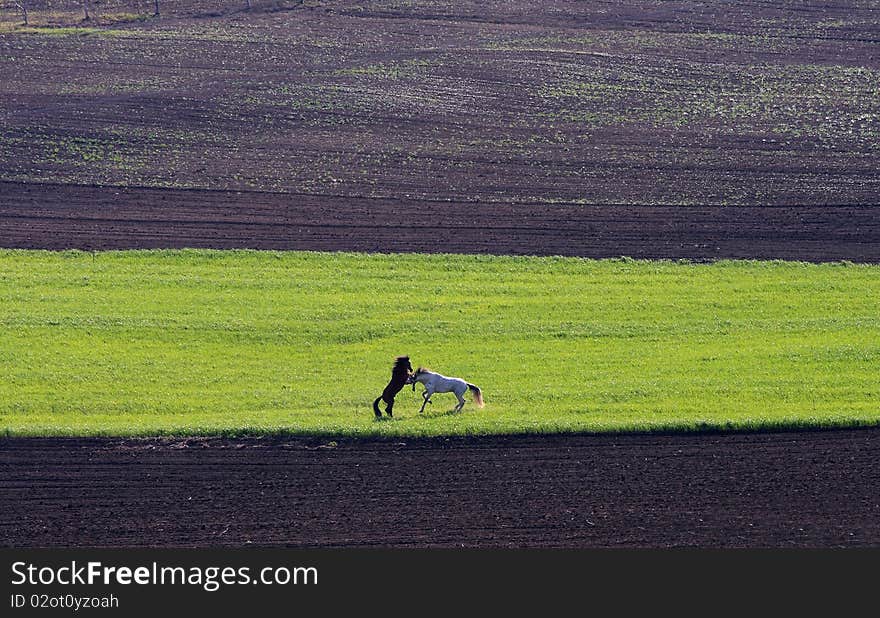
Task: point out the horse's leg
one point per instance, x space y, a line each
460 401
459 394
427 399
389 407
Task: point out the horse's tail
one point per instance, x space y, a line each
478 394
376 406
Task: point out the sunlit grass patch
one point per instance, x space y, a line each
158 342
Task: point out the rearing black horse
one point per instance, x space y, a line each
400 374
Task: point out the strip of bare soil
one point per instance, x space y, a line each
812 489
94 218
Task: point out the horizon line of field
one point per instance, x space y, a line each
59 217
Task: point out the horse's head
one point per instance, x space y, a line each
402 363
414 377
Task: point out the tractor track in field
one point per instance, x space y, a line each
786 489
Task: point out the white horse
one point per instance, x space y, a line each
436 383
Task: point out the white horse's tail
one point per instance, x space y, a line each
478 394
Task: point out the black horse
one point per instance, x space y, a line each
400 375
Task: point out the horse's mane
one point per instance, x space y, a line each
423 369
401 362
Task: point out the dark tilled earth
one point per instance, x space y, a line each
805 489
684 130
92 218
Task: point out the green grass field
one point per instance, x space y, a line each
204 342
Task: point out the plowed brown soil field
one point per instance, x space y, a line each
807 489
66 216
680 130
